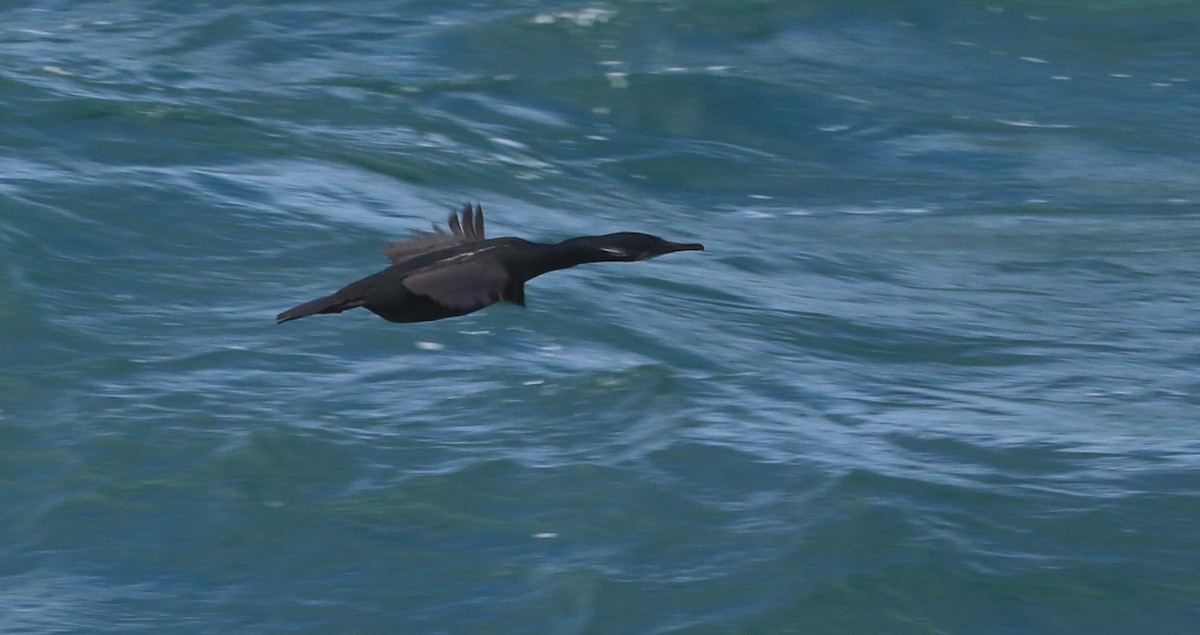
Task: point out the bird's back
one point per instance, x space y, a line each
453 280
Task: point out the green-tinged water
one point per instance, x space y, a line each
936 372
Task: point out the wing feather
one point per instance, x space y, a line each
467 286
470 228
478 222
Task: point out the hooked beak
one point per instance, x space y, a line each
671 247
668 247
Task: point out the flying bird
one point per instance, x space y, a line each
442 275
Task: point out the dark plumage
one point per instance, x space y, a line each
441 275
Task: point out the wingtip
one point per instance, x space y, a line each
467 221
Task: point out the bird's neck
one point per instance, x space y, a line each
545 258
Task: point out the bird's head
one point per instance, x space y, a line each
631 246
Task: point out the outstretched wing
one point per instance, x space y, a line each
469 229
468 285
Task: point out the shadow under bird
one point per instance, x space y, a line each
441 275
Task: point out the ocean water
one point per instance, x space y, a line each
936 372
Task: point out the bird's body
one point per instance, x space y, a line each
435 276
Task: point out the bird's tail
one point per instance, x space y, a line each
327 304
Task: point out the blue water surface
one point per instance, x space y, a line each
936 372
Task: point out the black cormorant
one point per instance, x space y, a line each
441 275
